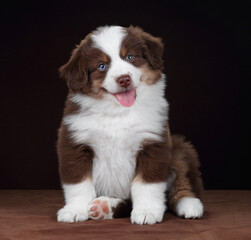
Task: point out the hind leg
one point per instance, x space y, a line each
109 208
183 197
183 201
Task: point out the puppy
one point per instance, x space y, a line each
116 155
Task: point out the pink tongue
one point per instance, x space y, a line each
126 98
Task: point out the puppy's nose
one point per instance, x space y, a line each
124 81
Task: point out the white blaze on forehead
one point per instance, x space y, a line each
109 39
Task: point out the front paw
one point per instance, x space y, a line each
146 216
72 214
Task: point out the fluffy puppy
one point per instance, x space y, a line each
116 155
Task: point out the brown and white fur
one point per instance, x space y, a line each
117 157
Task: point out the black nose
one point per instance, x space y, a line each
124 81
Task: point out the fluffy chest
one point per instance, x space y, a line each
114 163
115 141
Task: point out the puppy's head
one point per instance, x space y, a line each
114 60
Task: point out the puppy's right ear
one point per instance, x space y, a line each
74 71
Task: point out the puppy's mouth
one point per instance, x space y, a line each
126 98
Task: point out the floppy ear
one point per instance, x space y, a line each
74 71
154 50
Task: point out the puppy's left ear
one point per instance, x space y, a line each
154 51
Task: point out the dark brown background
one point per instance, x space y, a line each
206 60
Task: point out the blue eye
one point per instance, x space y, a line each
102 67
129 58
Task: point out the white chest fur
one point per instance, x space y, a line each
115 133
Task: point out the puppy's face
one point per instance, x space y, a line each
114 60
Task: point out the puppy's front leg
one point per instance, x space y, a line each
148 202
149 186
77 198
75 166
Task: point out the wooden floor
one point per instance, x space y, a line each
31 214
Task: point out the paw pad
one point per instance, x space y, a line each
99 209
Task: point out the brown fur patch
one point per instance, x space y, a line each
70 107
149 76
123 209
94 57
96 77
75 161
153 162
133 45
